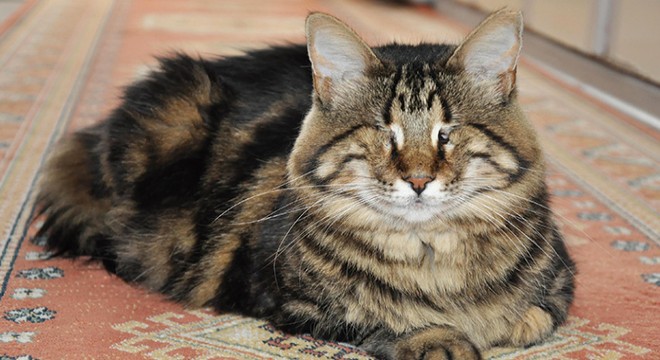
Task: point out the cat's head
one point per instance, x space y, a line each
411 134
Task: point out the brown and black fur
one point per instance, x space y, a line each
239 183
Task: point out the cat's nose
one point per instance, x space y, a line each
418 183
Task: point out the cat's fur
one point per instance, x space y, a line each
391 197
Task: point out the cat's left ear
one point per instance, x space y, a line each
490 52
338 55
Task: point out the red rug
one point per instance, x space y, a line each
62 63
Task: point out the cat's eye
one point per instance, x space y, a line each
392 143
443 138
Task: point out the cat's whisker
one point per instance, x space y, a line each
509 193
510 236
281 187
558 215
324 219
301 217
292 243
284 210
541 236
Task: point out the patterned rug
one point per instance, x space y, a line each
62 64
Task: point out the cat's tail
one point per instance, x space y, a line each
74 197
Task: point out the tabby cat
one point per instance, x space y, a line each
391 197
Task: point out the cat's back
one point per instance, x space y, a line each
249 82
260 79
188 132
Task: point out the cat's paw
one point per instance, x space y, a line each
436 344
441 352
534 326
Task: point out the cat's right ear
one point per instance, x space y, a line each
338 55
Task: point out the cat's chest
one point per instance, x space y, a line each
425 291
418 246
431 256
410 264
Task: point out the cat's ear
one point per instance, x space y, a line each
337 53
490 52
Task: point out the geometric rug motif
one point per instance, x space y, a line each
577 339
205 335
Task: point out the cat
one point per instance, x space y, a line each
391 197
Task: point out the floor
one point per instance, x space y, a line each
8 8
62 66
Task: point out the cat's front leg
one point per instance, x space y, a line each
432 343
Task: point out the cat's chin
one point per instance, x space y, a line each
417 217
413 212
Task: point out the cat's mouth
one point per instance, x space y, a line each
413 210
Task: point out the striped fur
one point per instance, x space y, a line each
401 207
